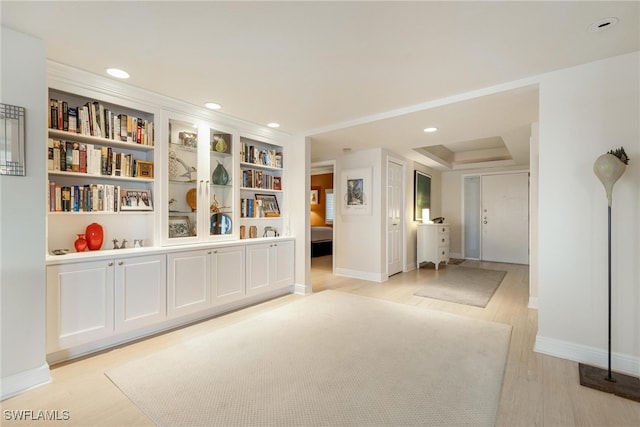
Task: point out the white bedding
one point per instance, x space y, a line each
321 234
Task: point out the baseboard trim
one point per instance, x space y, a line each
622 363
23 381
362 275
299 289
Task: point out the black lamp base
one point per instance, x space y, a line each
620 384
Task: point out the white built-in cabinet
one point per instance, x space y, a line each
200 279
88 301
269 266
203 194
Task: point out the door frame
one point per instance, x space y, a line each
317 168
403 214
463 207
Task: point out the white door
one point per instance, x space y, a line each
227 274
505 218
395 215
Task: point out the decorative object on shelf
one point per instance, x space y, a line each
81 243
220 224
356 187
135 199
179 226
220 175
59 251
188 139
269 205
115 244
189 173
124 244
215 206
268 230
192 199
253 231
609 168
94 235
172 205
438 220
243 232
138 243
220 145
12 134
144 169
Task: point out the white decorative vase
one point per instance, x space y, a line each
608 168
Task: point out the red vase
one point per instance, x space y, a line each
80 243
95 235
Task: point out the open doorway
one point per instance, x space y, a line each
321 216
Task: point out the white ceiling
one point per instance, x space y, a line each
349 74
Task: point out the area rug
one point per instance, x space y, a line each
329 359
464 285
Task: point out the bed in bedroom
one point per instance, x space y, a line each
321 241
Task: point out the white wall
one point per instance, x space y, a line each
534 194
359 249
586 111
22 222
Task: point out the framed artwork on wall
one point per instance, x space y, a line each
356 191
421 194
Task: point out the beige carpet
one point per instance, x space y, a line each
330 359
464 285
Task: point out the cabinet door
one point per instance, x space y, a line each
188 278
258 268
79 303
140 291
282 264
227 274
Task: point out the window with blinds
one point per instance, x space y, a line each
328 208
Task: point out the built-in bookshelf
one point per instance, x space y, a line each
261 195
100 168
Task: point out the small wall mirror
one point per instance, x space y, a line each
12 161
421 195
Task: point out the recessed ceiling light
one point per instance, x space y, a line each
117 73
273 125
429 130
213 105
603 24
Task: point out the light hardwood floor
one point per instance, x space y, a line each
538 390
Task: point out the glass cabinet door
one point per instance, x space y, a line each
183 188
221 186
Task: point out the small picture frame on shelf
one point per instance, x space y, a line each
277 183
179 226
269 205
144 169
135 199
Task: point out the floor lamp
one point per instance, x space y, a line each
609 168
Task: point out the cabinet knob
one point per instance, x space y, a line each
121 263
209 253
215 252
110 264
443 240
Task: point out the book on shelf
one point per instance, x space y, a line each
94 119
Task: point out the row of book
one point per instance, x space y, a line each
83 198
252 178
94 119
86 158
251 208
257 156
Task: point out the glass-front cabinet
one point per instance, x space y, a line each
200 170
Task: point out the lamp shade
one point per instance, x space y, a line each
425 216
608 168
